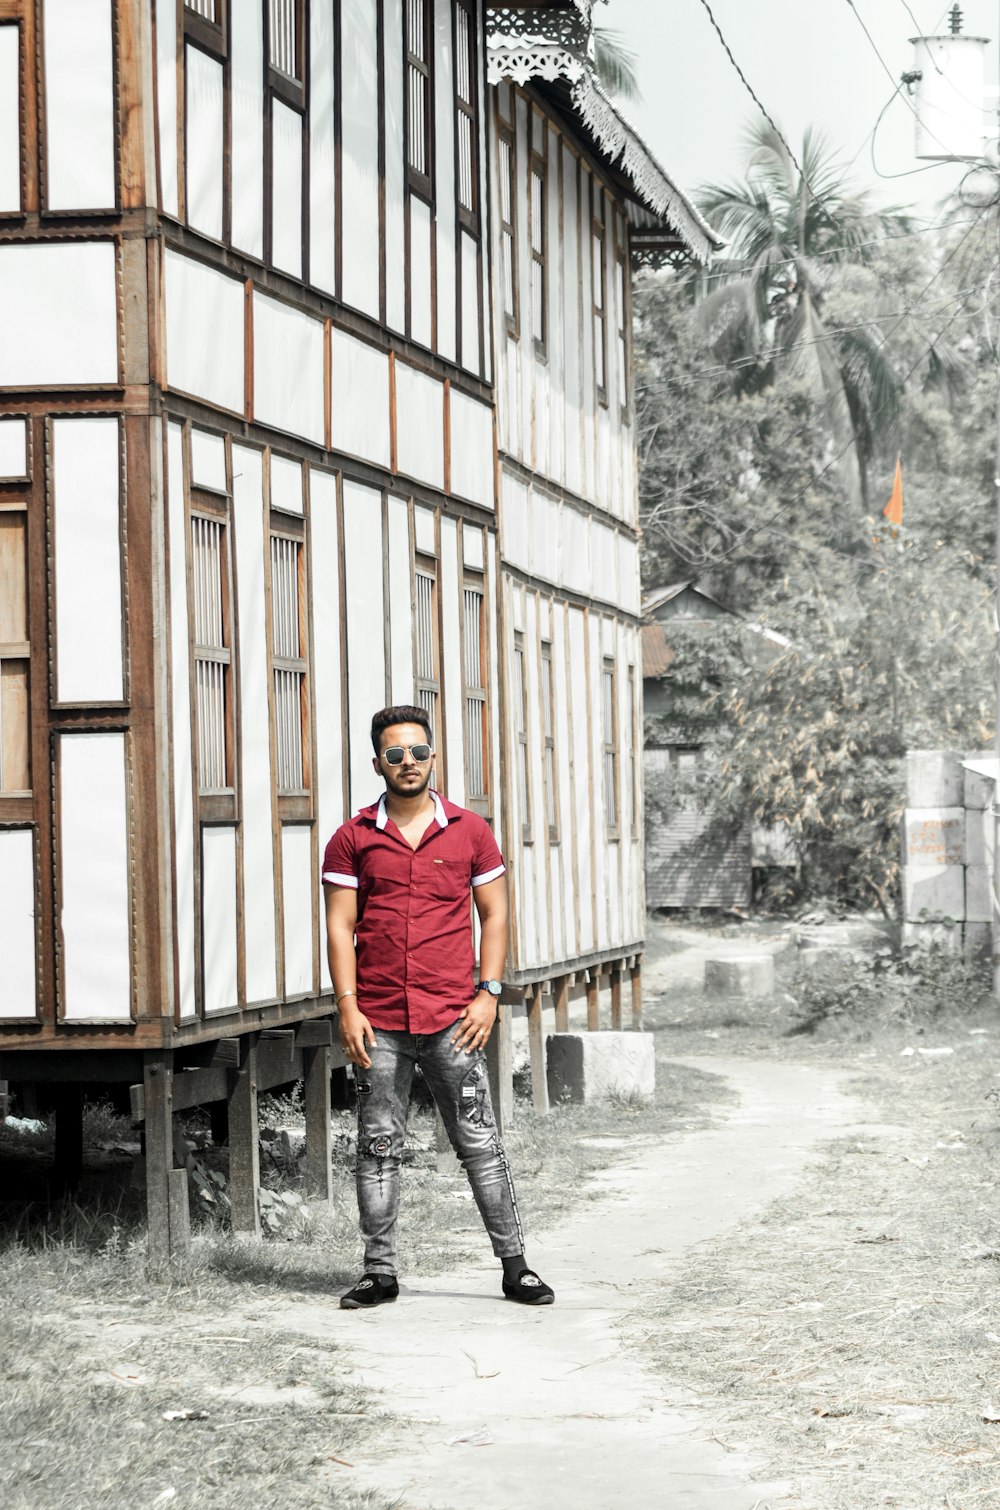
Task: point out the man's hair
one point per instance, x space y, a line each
401 713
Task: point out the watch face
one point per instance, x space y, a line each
494 987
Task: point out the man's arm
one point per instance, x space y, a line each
356 1032
474 1026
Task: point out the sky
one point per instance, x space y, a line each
810 63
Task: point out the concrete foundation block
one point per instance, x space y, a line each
934 836
934 778
978 894
978 789
978 940
595 1066
929 935
978 837
936 890
740 975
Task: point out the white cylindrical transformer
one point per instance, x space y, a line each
949 97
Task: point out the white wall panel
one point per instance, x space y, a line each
470 303
444 176
420 272
555 377
545 531
218 912
572 314
451 652
208 460
473 553
365 632
359 414
424 530
79 105
286 485
395 257
286 178
629 592
58 315
166 101
580 815
419 425
576 551
199 299
246 52
94 911
400 604
203 79
255 766
327 651
299 908
471 449
604 555
13 448
322 151
17 922
288 369
180 727
359 162
86 521
10 126
516 537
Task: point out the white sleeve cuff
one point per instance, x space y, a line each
488 875
336 879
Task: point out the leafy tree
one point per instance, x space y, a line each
614 63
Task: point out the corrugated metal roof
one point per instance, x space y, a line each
657 655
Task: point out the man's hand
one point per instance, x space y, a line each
474 1026
356 1036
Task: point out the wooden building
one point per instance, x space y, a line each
313 396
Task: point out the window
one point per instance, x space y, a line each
609 730
622 318
539 312
633 752
288 659
284 39
205 22
474 692
15 753
521 727
419 102
549 744
598 275
508 235
466 95
426 641
211 600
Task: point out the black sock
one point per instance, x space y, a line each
512 1267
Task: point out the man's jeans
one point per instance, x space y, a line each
460 1087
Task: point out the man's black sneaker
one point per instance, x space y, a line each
370 1290
529 1289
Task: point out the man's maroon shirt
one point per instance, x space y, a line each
414 929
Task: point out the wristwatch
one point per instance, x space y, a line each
494 987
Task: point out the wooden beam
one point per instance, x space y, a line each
157 1088
636 977
560 991
593 1001
616 999
244 1149
536 1050
318 1175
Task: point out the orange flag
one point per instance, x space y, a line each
893 510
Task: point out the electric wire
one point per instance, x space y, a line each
837 251
897 88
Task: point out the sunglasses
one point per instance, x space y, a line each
396 754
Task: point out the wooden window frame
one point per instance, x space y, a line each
523 767
610 750
420 183
211 36
216 804
469 217
18 652
508 228
624 333
633 710
288 87
549 774
537 168
429 566
294 804
481 803
599 285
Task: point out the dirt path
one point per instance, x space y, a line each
505 1408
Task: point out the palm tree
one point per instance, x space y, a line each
614 64
788 230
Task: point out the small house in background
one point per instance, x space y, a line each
692 858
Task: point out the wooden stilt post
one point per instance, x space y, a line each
536 1050
560 988
244 1149
318 1175
69 1136
616 999
636 974
500 1064
158 1129
593 1001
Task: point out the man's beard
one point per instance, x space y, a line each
410 789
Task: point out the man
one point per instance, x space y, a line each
397 879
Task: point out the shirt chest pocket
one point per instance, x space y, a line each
444 880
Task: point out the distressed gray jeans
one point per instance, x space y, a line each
460 1087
